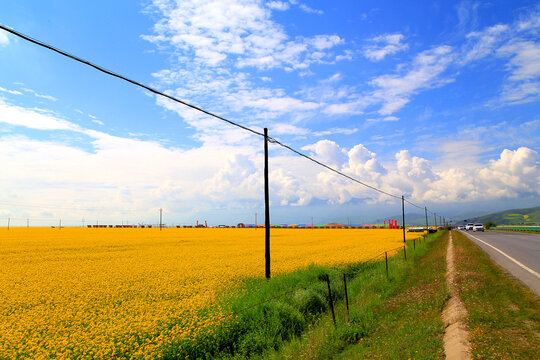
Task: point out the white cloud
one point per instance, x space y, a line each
278 5
523 83
483 43
288 129
97 122
384 119
12 92
47 97
4 38
328 152
517 44
385 45
19 116
125 175
514 173
310 10
525 59
394 91
239 31
335 131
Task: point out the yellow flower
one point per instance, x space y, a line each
94 293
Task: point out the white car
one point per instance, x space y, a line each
478 227
469 227
461 227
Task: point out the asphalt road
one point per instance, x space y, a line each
518 253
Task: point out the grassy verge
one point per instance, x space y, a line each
504 316
398 318
298 324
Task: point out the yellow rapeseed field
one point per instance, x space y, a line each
90 293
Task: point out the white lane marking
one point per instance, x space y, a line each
508 256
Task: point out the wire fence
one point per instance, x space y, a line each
217 321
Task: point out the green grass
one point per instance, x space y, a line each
284 327
519 230
504 316
384 316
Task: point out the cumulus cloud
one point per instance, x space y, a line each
117 175
515 173
328 152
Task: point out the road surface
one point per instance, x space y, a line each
518 253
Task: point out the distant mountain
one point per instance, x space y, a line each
527 216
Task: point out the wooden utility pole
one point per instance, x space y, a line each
160 218
403 214
427 224
266 208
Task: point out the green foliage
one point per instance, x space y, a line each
264 328
489 225
309 302
511 217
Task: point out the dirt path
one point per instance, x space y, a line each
456 345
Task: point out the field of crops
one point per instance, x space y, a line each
89 293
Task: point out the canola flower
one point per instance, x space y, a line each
97 293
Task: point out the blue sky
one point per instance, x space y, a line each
436 100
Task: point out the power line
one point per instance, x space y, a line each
332 169
157 92
108 72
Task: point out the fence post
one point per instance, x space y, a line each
405 252
346 296
266 208
386 259
330 299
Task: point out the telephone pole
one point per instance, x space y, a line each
160 218
266 208
403 214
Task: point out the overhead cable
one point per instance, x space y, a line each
334 170
157 92
108 72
